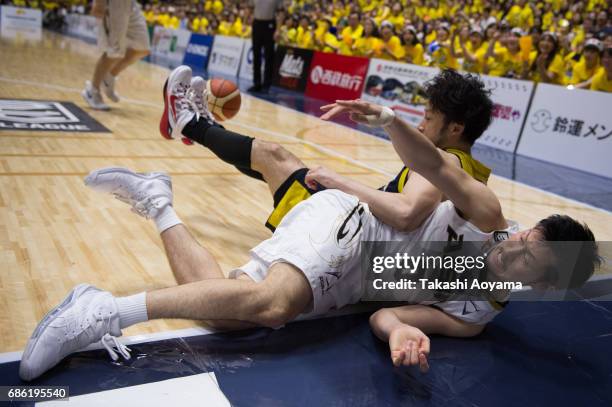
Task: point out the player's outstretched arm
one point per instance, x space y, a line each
476 202
406 329
404 211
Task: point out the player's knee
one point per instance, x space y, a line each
274 151
274 310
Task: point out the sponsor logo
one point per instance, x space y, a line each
198 49
329 77
45 115
291 67
219 59
541 121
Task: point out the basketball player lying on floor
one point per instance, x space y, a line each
289 274
452 124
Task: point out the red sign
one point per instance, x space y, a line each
333 77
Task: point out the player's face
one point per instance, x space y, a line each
433 126
524 257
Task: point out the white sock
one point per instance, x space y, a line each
166 218
132 309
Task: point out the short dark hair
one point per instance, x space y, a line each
461 99
578 249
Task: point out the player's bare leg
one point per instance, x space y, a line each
97 315
103 67
274 162
131 57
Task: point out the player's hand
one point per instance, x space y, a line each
321 176
409 346
357 110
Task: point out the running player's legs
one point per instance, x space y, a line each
137 40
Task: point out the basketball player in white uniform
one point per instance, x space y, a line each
124 40
310 264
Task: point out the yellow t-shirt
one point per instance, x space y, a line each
394 45
442 58
504 62
476 66
217 7
414 54
304 38
601 82
367 47
199 24
397 21
580 72
556 66
225 28
349 36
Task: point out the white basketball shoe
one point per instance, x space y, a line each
147 193
87 315
93 97
108 87
177 108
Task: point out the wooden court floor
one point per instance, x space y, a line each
55 233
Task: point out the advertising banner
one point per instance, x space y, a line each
82 26
170 44
198 51
291 67
226 54
511 101
246 66
334 76
398 86
572 128
19 22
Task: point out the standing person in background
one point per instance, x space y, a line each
124 39
264 26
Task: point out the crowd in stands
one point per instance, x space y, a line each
565 42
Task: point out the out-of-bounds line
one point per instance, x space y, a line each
128 340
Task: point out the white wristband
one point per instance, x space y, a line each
385 118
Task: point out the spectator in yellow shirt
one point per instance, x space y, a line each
473 52
588 65
545 64
391 45
354 30
440 49
396 17
369 45
602 80
504 61
413 49
304 38
326 40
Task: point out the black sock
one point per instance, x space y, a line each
233 148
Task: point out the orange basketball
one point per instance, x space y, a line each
223 98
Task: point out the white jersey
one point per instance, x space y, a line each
322 237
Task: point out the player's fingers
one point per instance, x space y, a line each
414 354
357 105
424 346
408 348
423 363
333 112
328 107
397 357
